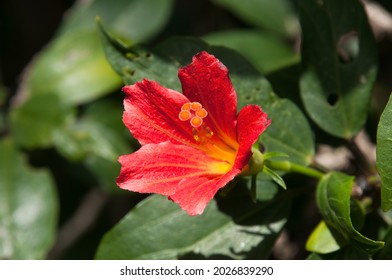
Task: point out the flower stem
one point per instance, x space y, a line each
288 166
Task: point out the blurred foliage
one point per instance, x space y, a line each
314 66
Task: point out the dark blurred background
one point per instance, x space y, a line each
27 26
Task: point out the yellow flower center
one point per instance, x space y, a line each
202 134
195 113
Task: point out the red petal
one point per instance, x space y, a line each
159 168
251 122
206 80
151 114
195 194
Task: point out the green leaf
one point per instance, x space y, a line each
73 66
333 200
35 122
246 231
98 138
28 207
266 52
346 253
270 155
99 131
384 151
265 188
162 63
277 15
386 252
321 240
139 20
282 135
339 54
274 176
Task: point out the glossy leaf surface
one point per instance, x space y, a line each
159 229
384 152
333 200
28 207
339 55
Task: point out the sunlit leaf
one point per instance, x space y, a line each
35 122
384 152
138 20
73 68
98 138
346 253
28 207
73 65
333 200
282 135
275 177
222 231
321 240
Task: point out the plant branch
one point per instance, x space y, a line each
288 166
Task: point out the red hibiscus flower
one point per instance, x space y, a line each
192 144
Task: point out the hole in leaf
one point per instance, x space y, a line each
248 98
130 55
332 99
347 47
129 72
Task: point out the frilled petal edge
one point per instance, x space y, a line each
206 80
251 122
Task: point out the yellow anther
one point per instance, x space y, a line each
186 107
184 115
202 113
196 121
195 112
196 106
